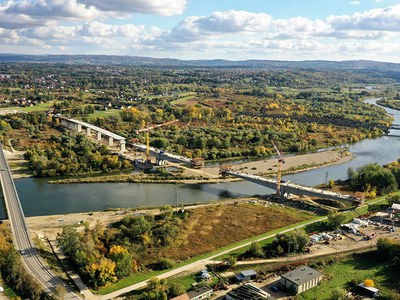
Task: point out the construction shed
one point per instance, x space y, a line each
301 279
246 276
247 291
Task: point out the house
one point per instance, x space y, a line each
301 279
247 291
246 275
198 293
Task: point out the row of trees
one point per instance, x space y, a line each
12 269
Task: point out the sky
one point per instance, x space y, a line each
205 29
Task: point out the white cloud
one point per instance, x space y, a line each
74 26
354 2
157 7
384 19
28 13
53 9
219 23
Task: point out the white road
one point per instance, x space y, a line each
34 264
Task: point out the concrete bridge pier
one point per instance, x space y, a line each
98 136
110 141
79 127
88 131
122 145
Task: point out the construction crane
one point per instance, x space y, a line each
146 130
279 176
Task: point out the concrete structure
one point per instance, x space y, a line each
162 155
301 279
22 240
247 292
246 275
198 293
291 188
100 133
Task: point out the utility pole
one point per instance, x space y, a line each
326 179
176 198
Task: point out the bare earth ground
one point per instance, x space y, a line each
318 159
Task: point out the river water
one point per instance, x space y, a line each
40 198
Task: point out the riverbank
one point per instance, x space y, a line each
264 167
18 164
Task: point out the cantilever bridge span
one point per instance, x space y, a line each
291 188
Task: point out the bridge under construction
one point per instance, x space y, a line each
290 188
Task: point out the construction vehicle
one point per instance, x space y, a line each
279 175
147 130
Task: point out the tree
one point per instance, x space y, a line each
255 250
335 219
70 240
60 292
338 294
394 199
176 289
369 283
122 259
102 272
331 183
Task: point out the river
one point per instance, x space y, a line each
40 198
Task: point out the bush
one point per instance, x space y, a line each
163 264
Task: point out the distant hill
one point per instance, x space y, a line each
168 62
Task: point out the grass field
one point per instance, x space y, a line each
184 99
36 108
105 113
356 267
210 228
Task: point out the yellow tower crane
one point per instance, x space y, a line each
147 130
279 176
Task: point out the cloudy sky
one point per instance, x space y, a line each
204 29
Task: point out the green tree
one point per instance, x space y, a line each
255 250
335 219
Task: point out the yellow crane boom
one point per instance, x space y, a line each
147 129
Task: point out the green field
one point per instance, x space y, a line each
104 113
39 107
357 267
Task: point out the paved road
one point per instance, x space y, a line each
21 237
